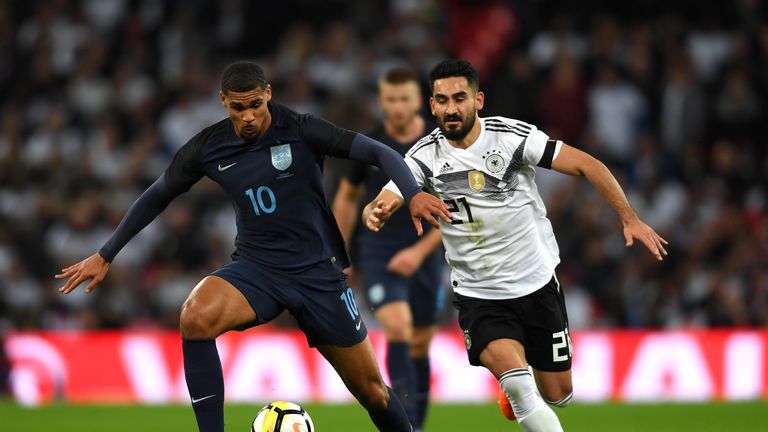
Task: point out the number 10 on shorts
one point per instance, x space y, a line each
562 341
349 300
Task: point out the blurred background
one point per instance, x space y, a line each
97 95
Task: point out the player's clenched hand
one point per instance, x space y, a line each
637 229
425 206
380 214
94 267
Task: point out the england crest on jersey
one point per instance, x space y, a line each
281 156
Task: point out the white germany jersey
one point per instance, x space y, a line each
500 244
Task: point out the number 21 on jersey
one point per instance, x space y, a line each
456 206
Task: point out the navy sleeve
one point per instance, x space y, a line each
185 170
355 172
150 204
370 151
324 137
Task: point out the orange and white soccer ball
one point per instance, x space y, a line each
282 416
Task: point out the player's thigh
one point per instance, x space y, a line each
213 307
358 369
422 338
492 336
554 386
396 321
502 355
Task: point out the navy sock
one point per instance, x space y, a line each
402 375
202 369
393 418
423 382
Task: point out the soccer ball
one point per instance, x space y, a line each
282 416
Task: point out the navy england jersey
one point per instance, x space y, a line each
275 184
398 232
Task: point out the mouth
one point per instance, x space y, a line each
452 123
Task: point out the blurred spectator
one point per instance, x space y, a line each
618 115
563 102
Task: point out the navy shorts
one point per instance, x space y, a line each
424 291
318 298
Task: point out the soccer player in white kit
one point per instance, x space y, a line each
499 244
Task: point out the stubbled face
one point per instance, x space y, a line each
400 102
455 104
248 111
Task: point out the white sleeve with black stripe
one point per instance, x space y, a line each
540 150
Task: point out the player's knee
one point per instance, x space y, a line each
419 348
398 333
559 396
374 396
196 324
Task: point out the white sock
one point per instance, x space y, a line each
533 415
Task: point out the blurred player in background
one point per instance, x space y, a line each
400 272
289 252
500 245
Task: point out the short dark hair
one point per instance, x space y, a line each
399 75
454 68
242 76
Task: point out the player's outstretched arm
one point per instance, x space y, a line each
94 267
573 161
150 204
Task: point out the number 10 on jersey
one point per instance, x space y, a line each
261 198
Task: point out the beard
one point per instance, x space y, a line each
458 133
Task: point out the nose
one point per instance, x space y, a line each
248 116
452 107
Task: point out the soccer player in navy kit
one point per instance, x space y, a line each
402 276
289 252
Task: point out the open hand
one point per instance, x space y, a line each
424 206
637 229
94 267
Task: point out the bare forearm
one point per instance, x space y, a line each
427 244
605 183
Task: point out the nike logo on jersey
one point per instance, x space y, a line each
194 401
226 167
357 326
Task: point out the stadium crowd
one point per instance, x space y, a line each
97 95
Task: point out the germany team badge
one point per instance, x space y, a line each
476 180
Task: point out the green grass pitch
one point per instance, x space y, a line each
732 417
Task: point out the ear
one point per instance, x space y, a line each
222 98
479 100
432 105
268 93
